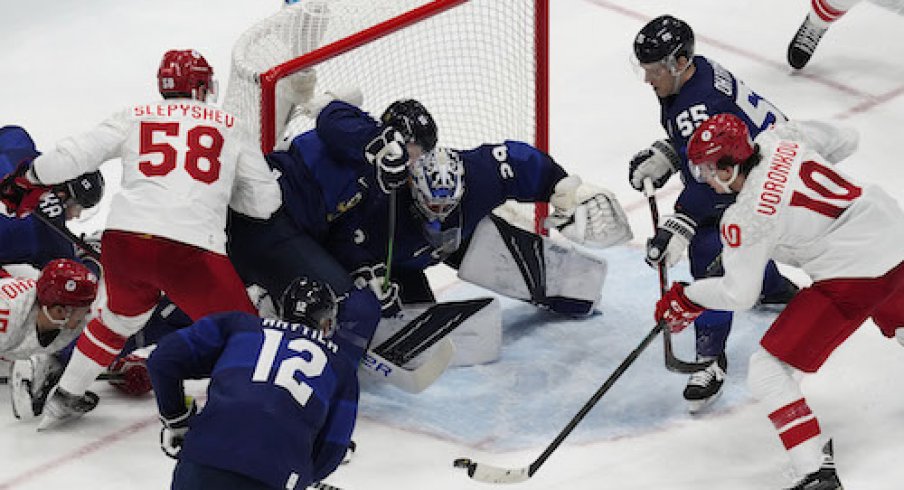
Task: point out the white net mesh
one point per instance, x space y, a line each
472 66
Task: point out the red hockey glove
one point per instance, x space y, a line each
676 310
18 194
129 375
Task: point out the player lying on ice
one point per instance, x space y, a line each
795 207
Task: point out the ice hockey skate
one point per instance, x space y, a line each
704 387
825 478
31 381
804 43
63 407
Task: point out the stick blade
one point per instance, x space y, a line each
492 474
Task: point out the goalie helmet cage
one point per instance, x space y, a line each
479 66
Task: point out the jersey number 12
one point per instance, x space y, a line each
309 367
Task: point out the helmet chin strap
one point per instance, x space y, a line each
725 185
53 320
672 64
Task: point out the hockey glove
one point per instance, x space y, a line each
676 310
658 162
388 153
18 194
671 239
172 435
587 214
374 277
129 375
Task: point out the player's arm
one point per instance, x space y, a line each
189 353
522 172
335 436
833 142
81 154
255 191
346 130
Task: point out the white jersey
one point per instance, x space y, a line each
18 313
798 209
184 162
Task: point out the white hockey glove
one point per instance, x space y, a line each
587 214
388 153
672 237
374 277
658 162
172 435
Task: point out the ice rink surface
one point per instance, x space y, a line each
67 65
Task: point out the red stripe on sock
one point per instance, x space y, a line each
800 433
109 339
825 11
789 413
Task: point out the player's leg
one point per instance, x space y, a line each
889 315
130 264
711 328
823 13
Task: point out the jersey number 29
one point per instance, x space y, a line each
309 366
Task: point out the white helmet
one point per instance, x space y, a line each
437 182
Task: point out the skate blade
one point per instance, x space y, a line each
694 407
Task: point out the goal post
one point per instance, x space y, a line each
479 66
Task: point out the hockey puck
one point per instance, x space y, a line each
462 463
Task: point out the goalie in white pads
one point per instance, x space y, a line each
795 207
357 170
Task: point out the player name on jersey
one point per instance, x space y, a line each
776 177
175 109
312 333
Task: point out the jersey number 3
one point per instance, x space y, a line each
201 143
310 366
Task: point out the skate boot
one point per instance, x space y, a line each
825 478
30 382
62 407
804 43
779 298
704 387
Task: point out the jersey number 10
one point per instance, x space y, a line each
285 374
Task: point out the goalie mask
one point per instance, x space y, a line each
185 73
437 186
310 302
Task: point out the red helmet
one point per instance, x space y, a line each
721 136
66 282
182 73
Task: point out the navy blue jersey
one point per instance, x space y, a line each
281 403
28 240
711 90
327 167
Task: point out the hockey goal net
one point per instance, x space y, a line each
479 66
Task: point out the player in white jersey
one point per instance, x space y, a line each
40 314
793 206
184 162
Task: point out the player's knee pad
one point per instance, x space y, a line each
771 381
526 266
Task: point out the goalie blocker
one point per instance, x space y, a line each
532 268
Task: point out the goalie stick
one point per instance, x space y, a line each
432 327
494 474
672 363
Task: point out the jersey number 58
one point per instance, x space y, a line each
201 143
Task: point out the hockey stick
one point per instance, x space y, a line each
391 232
672 363
319 485
494 474
63 230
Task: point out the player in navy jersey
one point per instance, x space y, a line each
340 179
690 90
282 398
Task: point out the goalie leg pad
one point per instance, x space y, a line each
526 266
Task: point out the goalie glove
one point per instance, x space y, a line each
673 235
676 310
387 152
19 195
374 277
172 435
587 214
658 162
